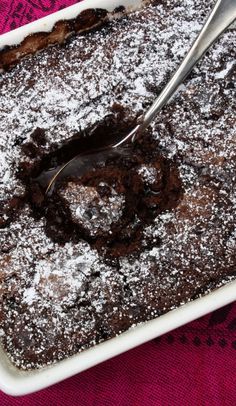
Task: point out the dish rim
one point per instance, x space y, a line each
16 382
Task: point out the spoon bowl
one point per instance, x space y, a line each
82 163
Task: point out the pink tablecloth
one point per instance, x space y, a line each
194 365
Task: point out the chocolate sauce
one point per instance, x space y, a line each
113 173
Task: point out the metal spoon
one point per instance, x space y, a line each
222 15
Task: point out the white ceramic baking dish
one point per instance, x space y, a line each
16 382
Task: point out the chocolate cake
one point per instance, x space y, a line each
146 230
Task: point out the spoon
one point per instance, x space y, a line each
222 15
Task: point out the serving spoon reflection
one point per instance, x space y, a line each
222 15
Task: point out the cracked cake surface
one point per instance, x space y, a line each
142 233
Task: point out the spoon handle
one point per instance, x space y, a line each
222 15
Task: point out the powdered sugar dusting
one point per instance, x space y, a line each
92 211
148 173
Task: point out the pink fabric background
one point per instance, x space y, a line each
194 365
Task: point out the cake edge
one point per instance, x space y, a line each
86 20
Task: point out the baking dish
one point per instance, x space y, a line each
17 382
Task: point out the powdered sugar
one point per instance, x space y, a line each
92 211
148 173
